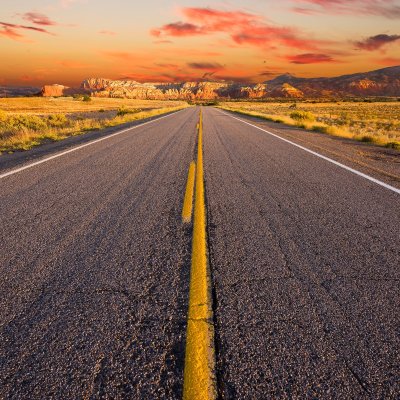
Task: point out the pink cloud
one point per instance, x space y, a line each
11 31
217 20
37 18
178 29
243 29
385 8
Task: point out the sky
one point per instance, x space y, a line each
66 41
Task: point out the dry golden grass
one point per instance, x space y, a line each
27 122
66 105
377 123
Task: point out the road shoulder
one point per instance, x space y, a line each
20 158
378 162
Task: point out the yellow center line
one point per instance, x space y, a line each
199 379
188 201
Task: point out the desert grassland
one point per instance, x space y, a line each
26 122
373 122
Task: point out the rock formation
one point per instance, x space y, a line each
383 82
58 91
99 87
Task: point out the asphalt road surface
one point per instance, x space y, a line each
95 269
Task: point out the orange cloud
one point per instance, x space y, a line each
12 30
164 65
10 33
122 55
161 77
209 66
310 58
73 64
217 20
389 61
193 53
27 78
243 28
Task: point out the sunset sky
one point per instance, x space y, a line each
65 41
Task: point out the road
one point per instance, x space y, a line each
95 269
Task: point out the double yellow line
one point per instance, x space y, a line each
199 374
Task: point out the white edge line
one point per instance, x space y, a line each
354 171
15 171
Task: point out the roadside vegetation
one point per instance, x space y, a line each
28 122
372 122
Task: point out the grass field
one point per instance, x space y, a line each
28 122
377 123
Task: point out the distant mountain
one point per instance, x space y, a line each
382 82
18 91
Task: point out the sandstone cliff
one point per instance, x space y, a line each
58 91
383 82
100 87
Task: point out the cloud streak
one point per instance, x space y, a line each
310 58
178 29
209 66
12 31
384 8
38 19
376 42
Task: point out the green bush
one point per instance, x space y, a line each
86 97
302 116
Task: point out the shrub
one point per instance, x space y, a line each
123 111
30 122
86 97
57 120
393 145
367 139
302 116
